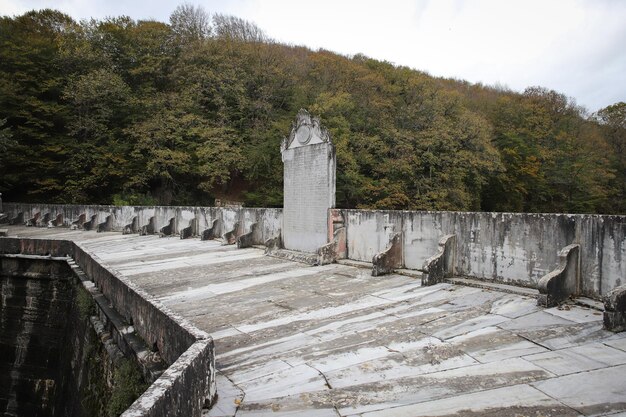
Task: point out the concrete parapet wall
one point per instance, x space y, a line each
269 220
189 382
517 248
159 327
369 232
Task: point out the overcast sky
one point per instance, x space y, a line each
573 46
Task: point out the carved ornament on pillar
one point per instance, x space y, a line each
306 130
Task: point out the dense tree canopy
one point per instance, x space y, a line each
143 112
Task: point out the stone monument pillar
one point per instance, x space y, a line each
309 184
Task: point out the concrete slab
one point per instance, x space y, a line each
589 392
577 315
229 397
387 395
426 356
537 320
578 358
271 412
514 306
506 402
296 380
471 325
619 343
492 344
239 376
563 336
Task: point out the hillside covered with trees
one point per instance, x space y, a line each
119 111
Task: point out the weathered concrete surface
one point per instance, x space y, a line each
517 248
149 220
564 281
389 259
65 346
37 297
332 340
441 265
615 309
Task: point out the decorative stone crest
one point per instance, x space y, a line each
306 130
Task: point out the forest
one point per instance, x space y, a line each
119 111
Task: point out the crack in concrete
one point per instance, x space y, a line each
328 386
243 394
527 339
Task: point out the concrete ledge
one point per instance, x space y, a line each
615 309
390 259
335 250
107 225
121 333
442 265
230 237
79 222
249 239
189 231
47 247
562 282
34 220
293 255
58 221
493 286
490 246
169 229
18 219
175 392
147 229
131 227
212 232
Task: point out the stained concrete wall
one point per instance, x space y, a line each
56 360
268 219
370 232
189 382
37 296
509 247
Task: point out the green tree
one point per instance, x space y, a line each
613 123
32 80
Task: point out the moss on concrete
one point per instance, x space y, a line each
128 385
85 303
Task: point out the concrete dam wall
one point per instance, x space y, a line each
517 248
35 321
42 326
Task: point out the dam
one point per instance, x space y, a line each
393 313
